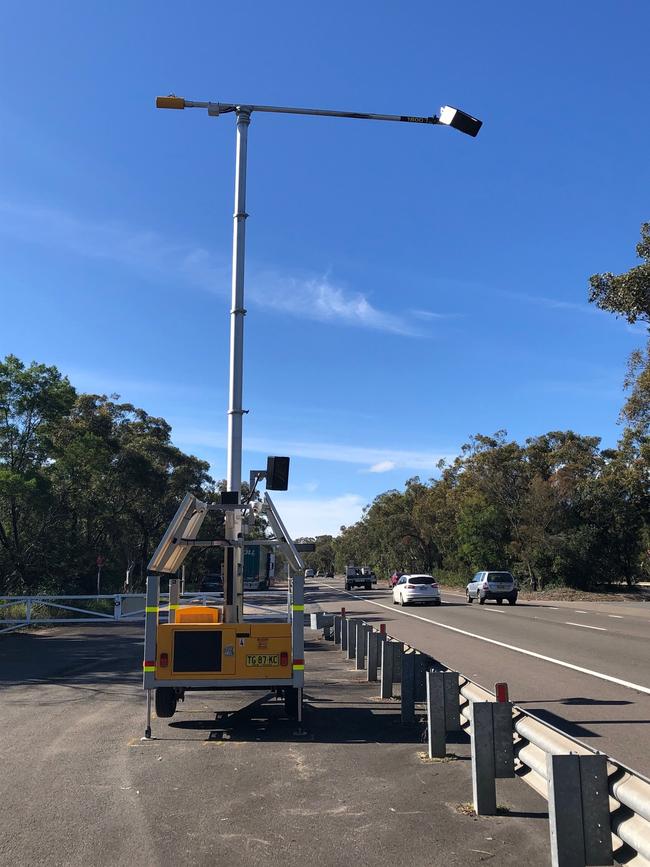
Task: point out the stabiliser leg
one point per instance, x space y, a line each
147 731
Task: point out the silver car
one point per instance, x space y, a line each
492 585
416 590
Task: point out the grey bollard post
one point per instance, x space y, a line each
360 639
337 629
398 652
484 790
504 749
436 714
422 663
344 634
372 655
408 688
386 669
452 700
352 638
578 807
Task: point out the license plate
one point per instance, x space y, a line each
261 659
501 587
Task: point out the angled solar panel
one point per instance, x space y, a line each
186 523
281 533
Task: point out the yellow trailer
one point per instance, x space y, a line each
196 650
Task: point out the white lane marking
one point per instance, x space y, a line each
495 610
575 611
626 683
584 626
551 607
617 616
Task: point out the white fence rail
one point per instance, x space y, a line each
16 612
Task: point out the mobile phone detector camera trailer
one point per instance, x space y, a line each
195 649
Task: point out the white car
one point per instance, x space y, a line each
309 573
416 589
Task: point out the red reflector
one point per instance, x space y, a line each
342 612
149 662
284 659
164 660
382 629
299 662
501 691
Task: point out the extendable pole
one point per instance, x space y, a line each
233 579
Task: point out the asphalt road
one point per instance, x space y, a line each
226 782
582 668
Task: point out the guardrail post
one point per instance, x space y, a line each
398 652
352 638
504 754
117 607
436 714
360 639
386 669
422 662
28 611
451 688
372 654
484 788
337 629
578 807
344 633
408 687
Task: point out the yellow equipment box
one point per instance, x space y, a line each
238 651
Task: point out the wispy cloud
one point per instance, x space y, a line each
382 467
318 298
364 456
145 251
317 517
151 254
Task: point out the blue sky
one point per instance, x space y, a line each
406 287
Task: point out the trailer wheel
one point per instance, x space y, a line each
165 702
291 702
367 586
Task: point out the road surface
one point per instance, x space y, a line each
584 668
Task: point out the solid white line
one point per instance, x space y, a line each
494 610
617 616
551 607
575 611
584 626
560 662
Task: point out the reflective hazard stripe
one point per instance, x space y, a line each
149 668
299 664
151 609
297 607
149 665
174 607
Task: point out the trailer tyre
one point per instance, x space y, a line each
165 702
291 702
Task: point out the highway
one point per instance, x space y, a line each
584 668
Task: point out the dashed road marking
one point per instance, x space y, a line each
562 663
584 626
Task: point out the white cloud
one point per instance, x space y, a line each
404 459
145 251
149 253
382 467
320 299
317 517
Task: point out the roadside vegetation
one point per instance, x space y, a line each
87 480
556 510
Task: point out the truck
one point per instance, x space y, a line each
255 577
359 577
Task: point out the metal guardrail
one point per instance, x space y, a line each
534 740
